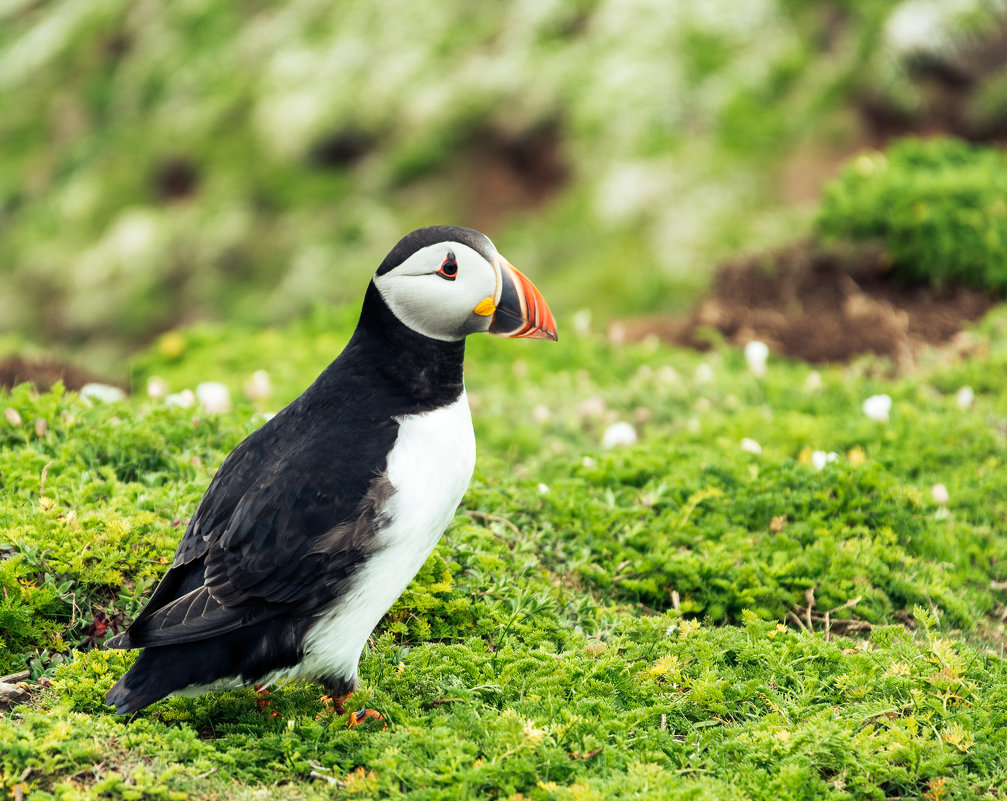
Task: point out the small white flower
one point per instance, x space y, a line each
704 374
105 393
813 382
157 387
964 397
543 489
751 446
667 374
642 415
290 725
756 354
878 407
214 396
592 407
693 425
618 434
540 413
259 387
820 458
588 462
12 416
940 494
582 322
183 399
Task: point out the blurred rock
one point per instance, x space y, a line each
12 695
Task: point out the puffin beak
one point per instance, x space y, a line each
519 310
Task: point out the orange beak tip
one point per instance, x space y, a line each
522 311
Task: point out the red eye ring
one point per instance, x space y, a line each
449 267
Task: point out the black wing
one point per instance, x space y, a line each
285 522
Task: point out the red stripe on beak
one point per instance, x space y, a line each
521 311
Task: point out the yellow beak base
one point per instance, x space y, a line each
486 307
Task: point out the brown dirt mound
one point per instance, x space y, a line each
820 305
43 373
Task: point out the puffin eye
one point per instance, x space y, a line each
449 267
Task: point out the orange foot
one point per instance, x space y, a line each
361 715
337 704
262 703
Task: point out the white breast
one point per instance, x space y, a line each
430 466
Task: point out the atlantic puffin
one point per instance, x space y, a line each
315 524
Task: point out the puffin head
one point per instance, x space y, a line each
447 282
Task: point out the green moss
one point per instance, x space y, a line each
755 710
680 618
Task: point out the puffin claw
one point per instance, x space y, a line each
361 715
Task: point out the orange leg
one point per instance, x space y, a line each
262 703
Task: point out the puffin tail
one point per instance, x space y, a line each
127 699
156 674
161 670
150 679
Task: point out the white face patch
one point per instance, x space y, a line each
441 302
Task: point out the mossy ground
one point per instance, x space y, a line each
677 618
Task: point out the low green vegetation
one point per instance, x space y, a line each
815 613
938 206
670 577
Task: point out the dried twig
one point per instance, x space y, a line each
330 779
796 619
45 473
475 513
94 769
828 622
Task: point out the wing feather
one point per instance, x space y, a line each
284 524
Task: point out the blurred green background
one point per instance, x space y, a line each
166 163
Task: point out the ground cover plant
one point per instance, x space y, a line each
937 206
769 594
673 576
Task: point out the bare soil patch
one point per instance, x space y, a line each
44 372
820 305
